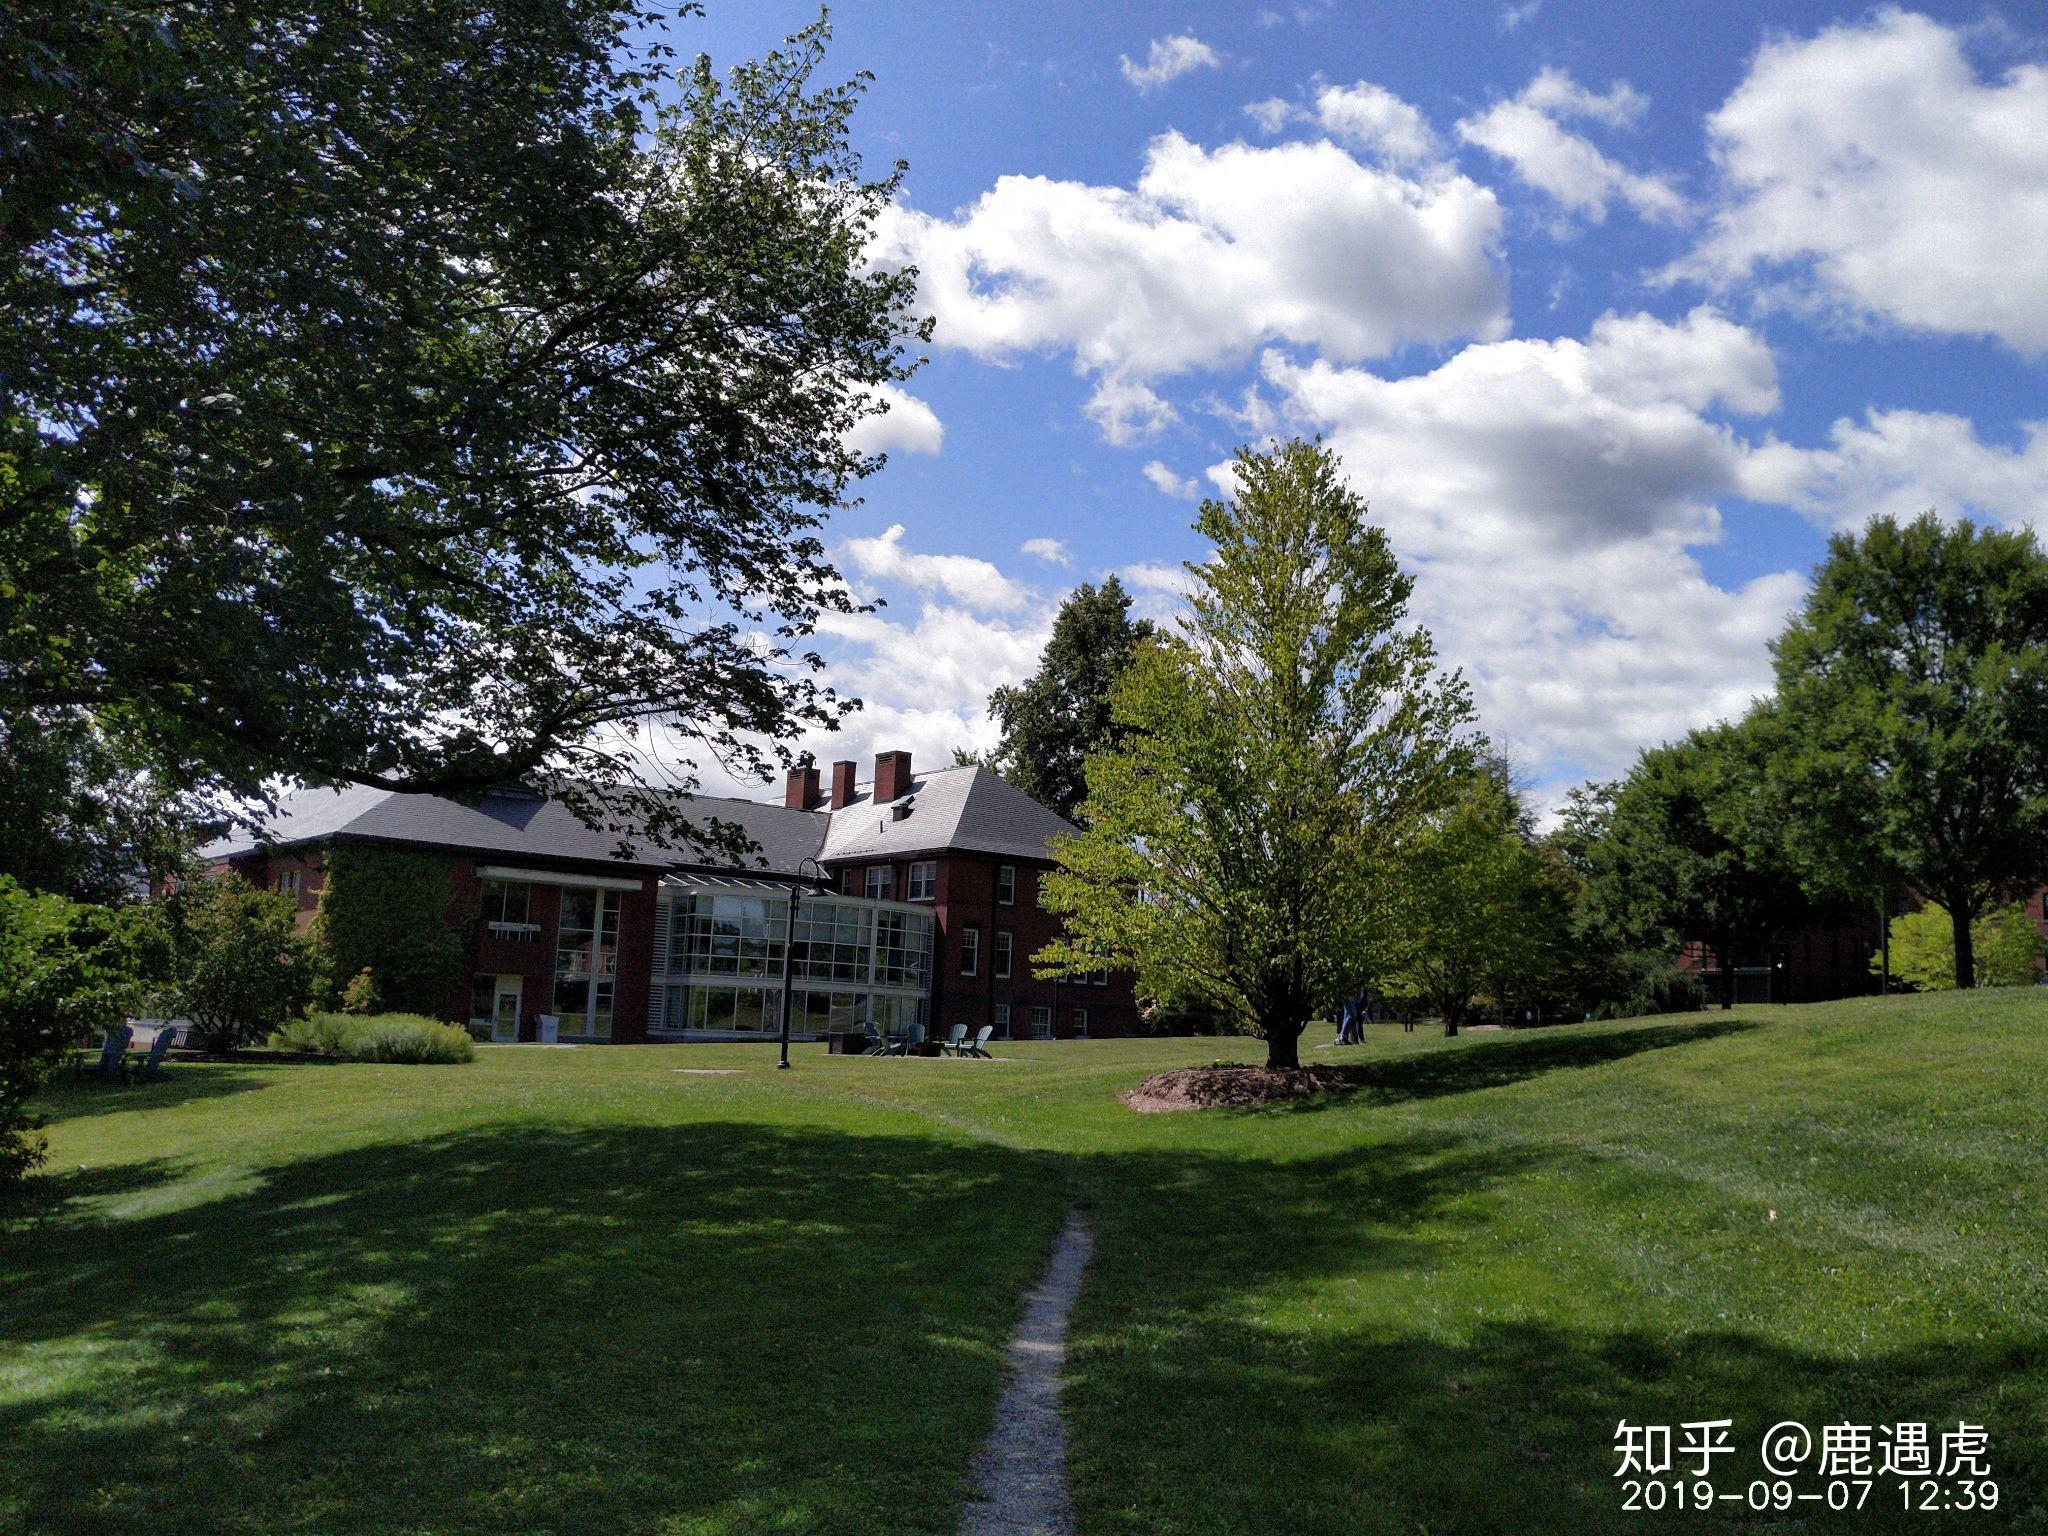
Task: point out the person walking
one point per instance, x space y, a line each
1344 1022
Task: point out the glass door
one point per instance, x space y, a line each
505 1009
586 962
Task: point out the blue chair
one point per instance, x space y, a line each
978 1046
877 1046
151 1068
112 1052
956 1041
913 1037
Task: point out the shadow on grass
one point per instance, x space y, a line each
1496 1063
712 1328
71 1096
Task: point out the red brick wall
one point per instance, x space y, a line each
966 897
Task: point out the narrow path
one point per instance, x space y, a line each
1020 1475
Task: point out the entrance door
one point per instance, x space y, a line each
505 1009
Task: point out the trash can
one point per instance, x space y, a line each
549 1024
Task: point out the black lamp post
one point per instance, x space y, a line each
796 890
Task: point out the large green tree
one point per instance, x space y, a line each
1688 852
1279 743
1914 688
426 393
1482 910
1061 713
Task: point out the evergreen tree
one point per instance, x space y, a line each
1054 719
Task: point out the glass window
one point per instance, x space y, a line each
508 903
1098 978
1002 1020
881 882
586 962
923 882
970 952
1006 885
1002 952
1041 1023
483 997
1080 1017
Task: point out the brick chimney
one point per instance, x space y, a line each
800 786
842 784
892 776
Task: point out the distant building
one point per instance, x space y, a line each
932 913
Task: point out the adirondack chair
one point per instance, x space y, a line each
877 1046
112 1050
151 1068
978 1046
913 1037
955 1041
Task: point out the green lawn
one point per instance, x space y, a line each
583 1291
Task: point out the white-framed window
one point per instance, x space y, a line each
849 882
1098 978
1001 1020
1003 946
922 883
1041 1023
1006 885
508 908
881 881
970 951
287 883
1080 1017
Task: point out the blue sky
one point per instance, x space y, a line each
1613 311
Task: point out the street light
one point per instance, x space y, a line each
796 890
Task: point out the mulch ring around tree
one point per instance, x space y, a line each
1237 1087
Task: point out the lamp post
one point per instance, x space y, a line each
796 890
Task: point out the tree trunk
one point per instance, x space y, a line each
1453 1012
1727 977
1966 949
1283 1046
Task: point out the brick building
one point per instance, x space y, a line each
920 903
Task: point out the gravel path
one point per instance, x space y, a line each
1020 1475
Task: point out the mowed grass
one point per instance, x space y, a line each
567 1291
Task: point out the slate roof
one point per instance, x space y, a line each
968 809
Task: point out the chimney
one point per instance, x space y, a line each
892 776
842 784
800 786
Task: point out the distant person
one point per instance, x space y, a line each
1360 1010
1344 1023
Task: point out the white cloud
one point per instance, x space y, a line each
1167 483
1168 58
1527 132
1869 168
1365 116
1546 493
1210 255
1051 551
1902 463
1125 411
1514 17
906 424
978 584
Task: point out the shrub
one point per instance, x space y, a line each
387 911
66 971
388 1037
360 996
239 965
2006 944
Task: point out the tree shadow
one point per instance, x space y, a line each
711 1328
1497 1063
69 1096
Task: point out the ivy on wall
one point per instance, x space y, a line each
386 911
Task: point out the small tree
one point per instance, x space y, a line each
67 971
240 967
1055 718
1914 687
1481 911
2005 948
1279 745
389 911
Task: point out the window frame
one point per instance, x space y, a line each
970 950
929 870
1041 1020
1005 955
887 882
1006 885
